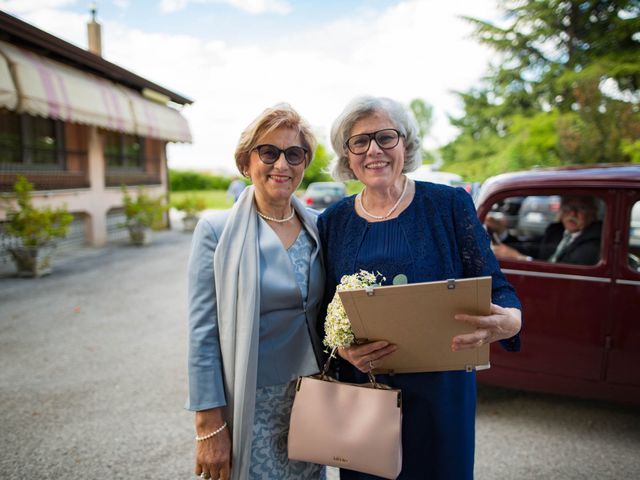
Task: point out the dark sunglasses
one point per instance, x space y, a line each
269 154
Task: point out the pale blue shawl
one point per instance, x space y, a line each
237 277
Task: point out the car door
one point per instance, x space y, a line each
566 307
623 365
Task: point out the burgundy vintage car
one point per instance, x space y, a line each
581 333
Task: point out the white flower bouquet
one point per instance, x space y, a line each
337 328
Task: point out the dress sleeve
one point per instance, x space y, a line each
478 260
329 286
206 386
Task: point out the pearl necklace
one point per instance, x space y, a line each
393 209
278 220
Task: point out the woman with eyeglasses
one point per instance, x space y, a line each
255 287
412 232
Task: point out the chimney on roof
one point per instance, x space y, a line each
94 32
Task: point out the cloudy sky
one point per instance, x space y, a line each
236 57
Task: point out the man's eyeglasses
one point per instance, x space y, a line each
270 154
574 208
386 139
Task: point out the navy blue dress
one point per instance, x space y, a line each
437 237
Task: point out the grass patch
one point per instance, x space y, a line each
215 199
219 200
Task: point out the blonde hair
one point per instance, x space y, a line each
361 107
281 115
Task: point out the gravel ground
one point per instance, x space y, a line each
534 436
93 382
93 378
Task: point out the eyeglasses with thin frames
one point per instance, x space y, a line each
386 139
270 154
574 208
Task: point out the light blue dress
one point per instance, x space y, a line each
269 458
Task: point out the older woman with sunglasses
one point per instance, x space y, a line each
412 232
255 287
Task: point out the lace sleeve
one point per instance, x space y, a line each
477 258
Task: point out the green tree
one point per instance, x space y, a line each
423 113
318 169
570 69
547 42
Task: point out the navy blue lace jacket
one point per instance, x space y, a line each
446 237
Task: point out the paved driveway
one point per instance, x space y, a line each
93 376
92 383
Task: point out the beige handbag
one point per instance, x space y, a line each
353 426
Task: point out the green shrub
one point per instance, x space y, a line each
143 210
190 204
34 226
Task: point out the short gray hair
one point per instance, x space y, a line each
361 107
589 204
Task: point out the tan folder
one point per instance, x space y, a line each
418 318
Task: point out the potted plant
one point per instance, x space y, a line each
36 228
191 206
142 213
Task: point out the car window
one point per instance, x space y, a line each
634 237
326 189
549 228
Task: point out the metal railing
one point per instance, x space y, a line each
47 176
58 177
116 176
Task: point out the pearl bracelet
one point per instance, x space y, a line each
212 434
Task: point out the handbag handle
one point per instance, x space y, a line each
372 378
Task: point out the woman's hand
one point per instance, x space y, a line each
213 455
501 323
364 357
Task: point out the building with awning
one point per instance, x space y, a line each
78 126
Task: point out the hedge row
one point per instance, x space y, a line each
181 180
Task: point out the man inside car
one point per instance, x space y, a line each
574 239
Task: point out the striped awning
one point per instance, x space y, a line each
8 94
36 85
157 121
